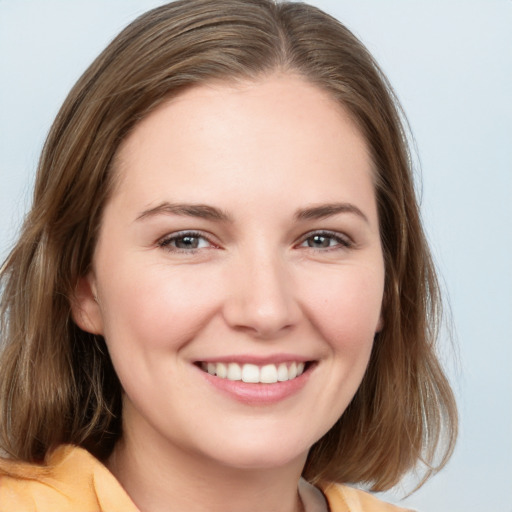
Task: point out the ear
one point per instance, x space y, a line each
85 309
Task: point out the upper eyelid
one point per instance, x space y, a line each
327 232
185 232
164 240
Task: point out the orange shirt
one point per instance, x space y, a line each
75 481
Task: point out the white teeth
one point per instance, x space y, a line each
282 372
221 370
268 374
292 371
234 372
251 373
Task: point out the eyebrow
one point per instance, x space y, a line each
201 211
328 210
204 211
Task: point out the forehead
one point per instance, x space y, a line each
265 133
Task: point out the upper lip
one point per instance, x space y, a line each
256 360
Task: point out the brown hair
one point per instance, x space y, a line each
57 383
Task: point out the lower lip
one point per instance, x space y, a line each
258 394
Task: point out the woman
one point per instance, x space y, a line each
223 283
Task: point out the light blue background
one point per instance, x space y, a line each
451 65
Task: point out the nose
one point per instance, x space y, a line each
261 299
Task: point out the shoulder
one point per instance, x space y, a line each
342 498
72 479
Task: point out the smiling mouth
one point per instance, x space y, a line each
254 374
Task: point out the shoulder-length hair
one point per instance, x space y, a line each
57 383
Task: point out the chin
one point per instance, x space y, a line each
261 454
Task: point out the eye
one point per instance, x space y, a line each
325 240
185 241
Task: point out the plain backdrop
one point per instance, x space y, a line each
451 66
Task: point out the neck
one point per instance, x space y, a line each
159 479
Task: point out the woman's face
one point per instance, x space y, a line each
241 241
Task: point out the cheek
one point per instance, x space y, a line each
346 307
155 305
348 321
344 310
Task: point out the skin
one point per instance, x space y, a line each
257 285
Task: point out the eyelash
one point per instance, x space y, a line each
165 243
342 242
